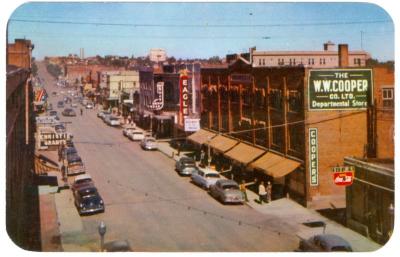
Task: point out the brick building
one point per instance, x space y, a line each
21 194
279 124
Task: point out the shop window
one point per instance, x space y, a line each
275 98
260 99
295 103
388 97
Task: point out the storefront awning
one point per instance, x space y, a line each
222 143
201 136
274 165
244 153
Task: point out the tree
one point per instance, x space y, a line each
214 59
376 63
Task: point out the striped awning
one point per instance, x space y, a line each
222 143
275 165
44 165
201 136
244 153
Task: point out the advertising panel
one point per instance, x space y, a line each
313 153
340 89
184 95
192 125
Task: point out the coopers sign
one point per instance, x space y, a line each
342 89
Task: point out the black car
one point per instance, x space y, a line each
53 113
88 201
185 166
69 151
69 112
325 243
59 128
60 104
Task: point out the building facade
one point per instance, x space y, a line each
279 118
327 58
22 209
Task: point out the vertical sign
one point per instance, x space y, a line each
184 95
313 153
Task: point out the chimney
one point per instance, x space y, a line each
343 55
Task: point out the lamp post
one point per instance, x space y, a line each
208 152
391 217
102 231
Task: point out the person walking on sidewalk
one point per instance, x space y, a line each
269 192
81 111
262 193
242 188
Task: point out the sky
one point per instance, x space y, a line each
200 30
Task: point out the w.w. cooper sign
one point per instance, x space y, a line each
341 89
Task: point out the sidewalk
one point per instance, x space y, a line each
295 215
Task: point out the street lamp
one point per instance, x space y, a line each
391 217
208 152
102 231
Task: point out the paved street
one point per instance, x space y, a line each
148 204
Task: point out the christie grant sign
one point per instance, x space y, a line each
342 89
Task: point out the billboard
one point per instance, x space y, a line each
192 125
339 89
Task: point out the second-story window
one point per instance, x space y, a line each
275 97
294 102
388 97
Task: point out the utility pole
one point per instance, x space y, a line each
361 35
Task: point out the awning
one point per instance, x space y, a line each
201 136
274 165
222 143
244 153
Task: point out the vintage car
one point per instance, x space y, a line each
149 143
227 191
324 243
205 178
185 166
88 200
74 165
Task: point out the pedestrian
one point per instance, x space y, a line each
81 111
179 148
60 151
242 188
269 192
262 192
202 156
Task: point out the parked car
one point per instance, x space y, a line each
69 112
205 178
75 165
325 243
54 93
149 143
88 200
60 128
89 105
60 104
69 151
127 131
80 181
74 105
117 246
185 166
101 114
53 113
112 120
226 191
136 135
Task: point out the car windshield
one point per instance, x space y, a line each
88 192
212 175
230 187
340 249
137 133
83 181
151 140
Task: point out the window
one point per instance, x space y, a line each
259 62
322 61
263 62
281 61
357 61
296 142
275 97
387 97
294 101
311 61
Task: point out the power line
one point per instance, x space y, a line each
205 25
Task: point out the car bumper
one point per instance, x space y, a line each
186 172
233 200
91 210
75 172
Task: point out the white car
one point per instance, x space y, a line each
112 120
127 131
101 114
89 105
205 178
136 135
149 143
